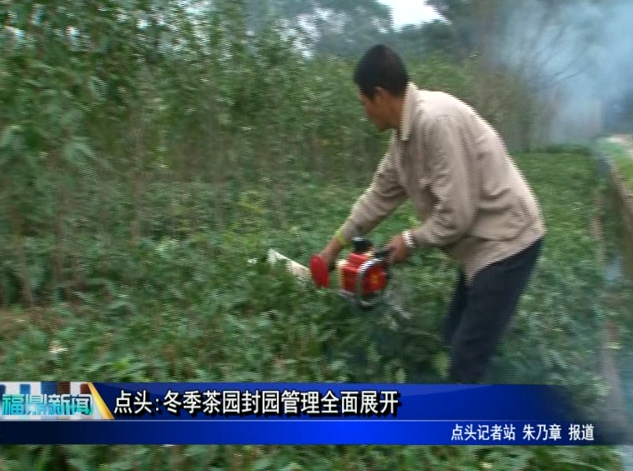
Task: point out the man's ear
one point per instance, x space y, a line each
380 93
362 96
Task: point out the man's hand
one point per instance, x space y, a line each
330 252
399 252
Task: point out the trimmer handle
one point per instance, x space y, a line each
320 273
383 253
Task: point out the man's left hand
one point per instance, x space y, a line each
399 251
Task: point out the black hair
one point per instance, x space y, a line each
381 67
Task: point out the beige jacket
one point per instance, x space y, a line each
473 201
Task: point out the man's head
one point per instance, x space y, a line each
381 78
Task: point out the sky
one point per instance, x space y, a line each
410 11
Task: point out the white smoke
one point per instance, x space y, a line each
578 54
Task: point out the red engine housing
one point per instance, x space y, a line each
375 279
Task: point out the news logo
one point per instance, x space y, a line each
49 400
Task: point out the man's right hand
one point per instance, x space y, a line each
330 253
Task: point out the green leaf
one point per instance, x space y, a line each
70 118
83 148
292 467
79 463
122 304
74 150
262 463
441 364
579 465
8 135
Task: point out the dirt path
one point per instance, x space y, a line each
623 189
623 139
615 414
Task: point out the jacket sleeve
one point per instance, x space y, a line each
454 182
377 202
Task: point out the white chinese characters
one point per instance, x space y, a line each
244 402
548 433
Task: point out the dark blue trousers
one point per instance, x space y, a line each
479 313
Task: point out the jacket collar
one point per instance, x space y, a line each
407 111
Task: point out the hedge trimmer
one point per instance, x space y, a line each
365 280
363 277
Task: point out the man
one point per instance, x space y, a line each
472 199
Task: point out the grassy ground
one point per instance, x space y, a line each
186 305
624 163
619 252
621 154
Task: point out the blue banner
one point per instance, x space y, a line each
321 401
303 432
292 414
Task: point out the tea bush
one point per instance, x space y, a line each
191 304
